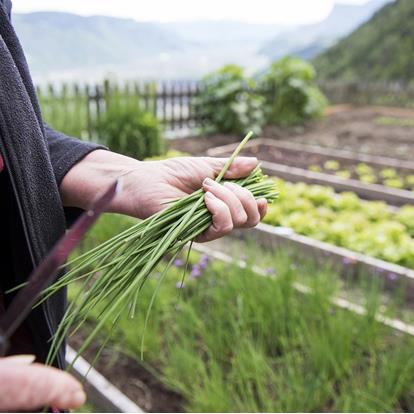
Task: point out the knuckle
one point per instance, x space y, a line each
226 228
255 220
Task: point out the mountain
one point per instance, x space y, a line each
309 40
55 41
213 33
381 49
63 46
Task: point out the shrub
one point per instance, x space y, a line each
294 96
127 129
227 103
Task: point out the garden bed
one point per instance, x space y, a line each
382 131
342 164
294 165
349 264
103 396
231 341
130 376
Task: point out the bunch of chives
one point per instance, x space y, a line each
127 260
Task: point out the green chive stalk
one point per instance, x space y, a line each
112 274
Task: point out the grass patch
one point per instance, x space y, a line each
231 341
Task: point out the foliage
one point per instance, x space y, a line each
368 227
232 341
295 96
127 129
227 103
65 110
389 177
381 49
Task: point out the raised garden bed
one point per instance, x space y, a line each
266 150
369 169
118 382
103 396
233 341
346 262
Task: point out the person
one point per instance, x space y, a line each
46 178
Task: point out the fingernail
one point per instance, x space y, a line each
210 195
249 159
21 359
209 182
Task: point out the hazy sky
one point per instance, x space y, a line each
264 11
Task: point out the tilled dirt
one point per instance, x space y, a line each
132 378
358 129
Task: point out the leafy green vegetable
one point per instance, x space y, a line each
368 227
227 102
295 96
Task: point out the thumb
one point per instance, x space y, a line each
241 166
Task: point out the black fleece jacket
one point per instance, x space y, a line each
36 159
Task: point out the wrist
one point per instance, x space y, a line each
92 175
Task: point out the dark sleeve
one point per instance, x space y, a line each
66 151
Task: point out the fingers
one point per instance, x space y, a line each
231 199
222 221
262 206
241 166
231 206
30 387
248 202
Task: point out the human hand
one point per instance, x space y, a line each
148 185
25 386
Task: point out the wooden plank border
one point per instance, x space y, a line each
101 392
376 160
392 196
349 263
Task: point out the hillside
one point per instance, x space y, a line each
309 40
64 46
381 49
54 41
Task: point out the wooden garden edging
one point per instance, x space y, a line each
349 263
392 196
344 155
100 391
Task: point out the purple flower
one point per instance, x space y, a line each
195 272
180 285
270 271
392 276
348 261
204 261
178 262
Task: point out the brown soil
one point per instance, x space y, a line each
198 145
344 127
134 380
308 160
